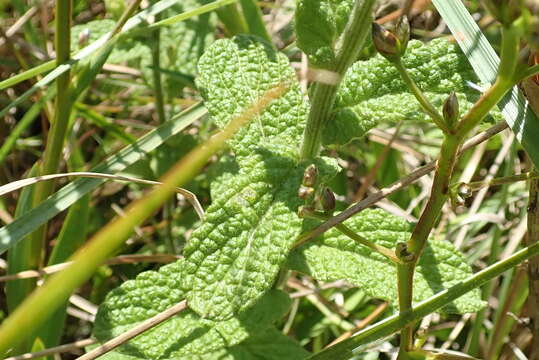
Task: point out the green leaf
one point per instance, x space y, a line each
269 345
319 23
373 92
181 44
186 334
335 256
234 256
233 73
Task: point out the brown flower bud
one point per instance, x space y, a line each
451 110
327 200
305 192
310 175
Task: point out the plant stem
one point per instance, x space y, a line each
442 177
533 266
233 20
323 95
423 101
350 347
56 136
476 185
390 254
253 17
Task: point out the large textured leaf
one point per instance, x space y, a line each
186 334
234 256
319 23
372 91
336 256
268 345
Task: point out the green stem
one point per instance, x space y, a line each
533 266
253 17
421 98
233 20
323 95
390 254
157 83
440 186
57 133
350 347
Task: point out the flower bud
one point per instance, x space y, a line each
451 110
384 41
327 200
310 175
391 45
305 192
464 190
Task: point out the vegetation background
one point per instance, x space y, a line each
144 81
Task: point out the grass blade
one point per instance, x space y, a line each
484 60
65 197
41 303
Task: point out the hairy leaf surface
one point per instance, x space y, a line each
335 256
234 256
319 23
185 334
372 91
270 344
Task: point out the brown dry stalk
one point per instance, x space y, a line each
137 330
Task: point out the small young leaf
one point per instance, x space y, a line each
373 92
336 256
319 23
185 334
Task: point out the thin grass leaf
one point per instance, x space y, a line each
38 307
65 197
15 185
136 20
484 61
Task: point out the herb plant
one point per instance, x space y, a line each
273 211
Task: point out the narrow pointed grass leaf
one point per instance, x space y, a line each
484 60
37 307
66 196
136 20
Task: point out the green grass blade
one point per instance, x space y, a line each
139 18
36 308
27 119
65 197
484 61
17 290
71 237
253 16
191 13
